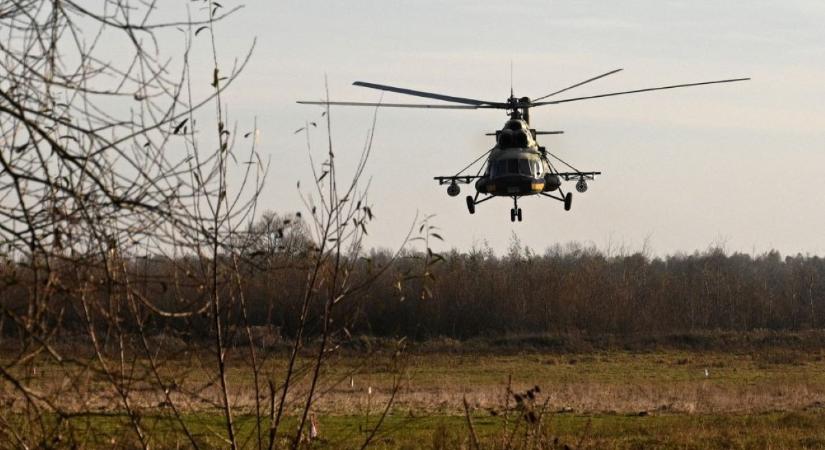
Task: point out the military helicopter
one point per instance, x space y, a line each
517 165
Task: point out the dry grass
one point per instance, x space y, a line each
617 399
613 382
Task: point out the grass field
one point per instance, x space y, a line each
776 430
767 398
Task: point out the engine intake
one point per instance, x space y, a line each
551 182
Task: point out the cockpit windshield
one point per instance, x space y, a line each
516 166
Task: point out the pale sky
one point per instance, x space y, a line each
739 164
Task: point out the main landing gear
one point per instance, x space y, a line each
473 201
515 212
567 199
471 204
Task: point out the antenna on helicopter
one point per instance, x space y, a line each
511 78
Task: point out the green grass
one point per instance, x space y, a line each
776 430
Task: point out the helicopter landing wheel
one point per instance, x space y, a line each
471 204
515 212
568 201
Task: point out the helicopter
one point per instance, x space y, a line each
517 166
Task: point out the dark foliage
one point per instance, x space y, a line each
572 290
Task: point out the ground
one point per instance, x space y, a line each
765 398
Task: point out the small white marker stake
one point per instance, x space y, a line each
313 427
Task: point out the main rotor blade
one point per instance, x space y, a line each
554 102
578 84
389 105
446 98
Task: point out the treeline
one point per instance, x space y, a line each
582 290
573 289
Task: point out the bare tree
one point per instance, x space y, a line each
101 160
127 253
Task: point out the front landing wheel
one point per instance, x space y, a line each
568 201
471 204
512 214
518 214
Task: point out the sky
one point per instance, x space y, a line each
738 165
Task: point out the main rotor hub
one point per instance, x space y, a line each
519 108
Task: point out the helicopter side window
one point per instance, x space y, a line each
536 167
524 167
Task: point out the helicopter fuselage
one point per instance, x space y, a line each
513 172
515 166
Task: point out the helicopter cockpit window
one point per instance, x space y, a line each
515 167
512 166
